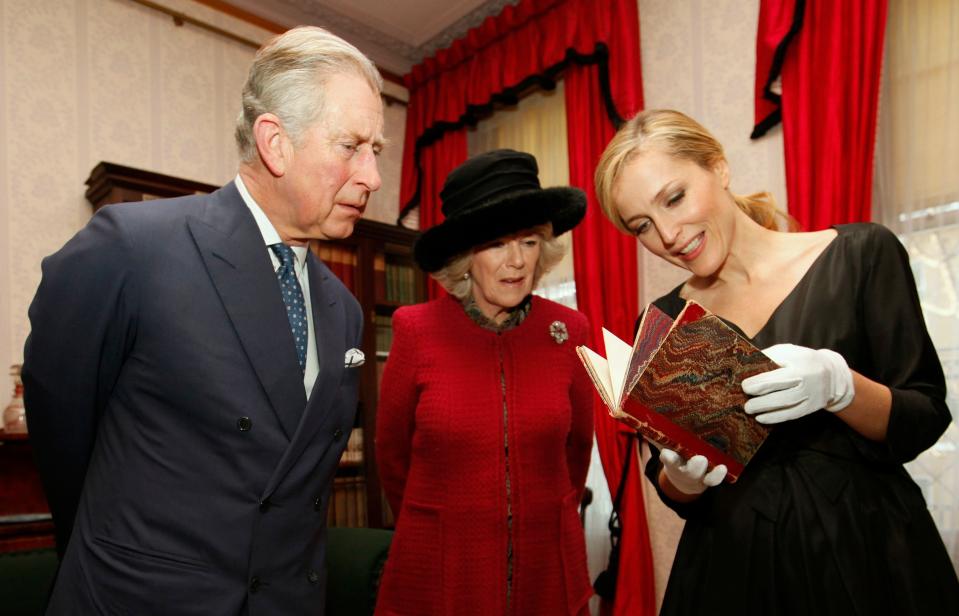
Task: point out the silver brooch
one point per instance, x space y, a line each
557 329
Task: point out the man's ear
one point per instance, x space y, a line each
722 170
272 143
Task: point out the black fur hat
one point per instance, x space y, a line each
492 195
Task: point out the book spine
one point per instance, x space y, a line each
379 277
666 435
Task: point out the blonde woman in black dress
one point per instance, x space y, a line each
825 520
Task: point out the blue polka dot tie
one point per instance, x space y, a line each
293 299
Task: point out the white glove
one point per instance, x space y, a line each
690 477
809 380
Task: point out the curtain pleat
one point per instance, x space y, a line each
607 291
830 56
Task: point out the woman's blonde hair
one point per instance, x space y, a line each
679 136
453 276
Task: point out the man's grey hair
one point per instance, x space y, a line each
288 77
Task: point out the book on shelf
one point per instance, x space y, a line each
391 282
341 260
400 283
680 385
379 277
349 502
348 506
353 454
384 334
389 520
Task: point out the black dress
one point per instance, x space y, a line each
824 521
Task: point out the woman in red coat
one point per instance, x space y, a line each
484 426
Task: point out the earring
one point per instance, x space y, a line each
466 276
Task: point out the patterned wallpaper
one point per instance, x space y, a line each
384 204
110 80
699 58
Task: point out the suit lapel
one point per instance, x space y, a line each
235 256
329 323
329 326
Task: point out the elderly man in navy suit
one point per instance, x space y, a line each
190 377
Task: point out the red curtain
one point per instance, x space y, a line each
526 44
596 44
436 162
829 56
605 260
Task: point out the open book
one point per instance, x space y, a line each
680 385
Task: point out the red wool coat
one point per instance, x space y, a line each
441 446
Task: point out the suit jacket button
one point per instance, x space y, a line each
244 424
337 434
265 505
317 503
254 584
313 576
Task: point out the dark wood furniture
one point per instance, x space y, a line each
384 277
112 183
24 515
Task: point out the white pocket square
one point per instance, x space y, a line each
354 358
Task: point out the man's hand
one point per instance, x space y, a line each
809 380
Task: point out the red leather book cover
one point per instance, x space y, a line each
689 396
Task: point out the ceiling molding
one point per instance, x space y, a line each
388 51
247 16
327 16
460 27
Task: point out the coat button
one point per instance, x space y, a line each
318 503
313 576
337 434
265 505
244 424
254 584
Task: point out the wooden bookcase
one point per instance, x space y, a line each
24 515
376 264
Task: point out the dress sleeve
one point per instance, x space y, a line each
396 414
901 350
579 445
82 328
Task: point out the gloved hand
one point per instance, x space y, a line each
690 477
809 380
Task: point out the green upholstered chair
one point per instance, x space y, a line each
25 579
354 560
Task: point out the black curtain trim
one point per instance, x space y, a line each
775 116
771 120
509 97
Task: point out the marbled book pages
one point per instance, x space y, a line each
689 397
653 328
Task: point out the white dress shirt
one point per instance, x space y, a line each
270 236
